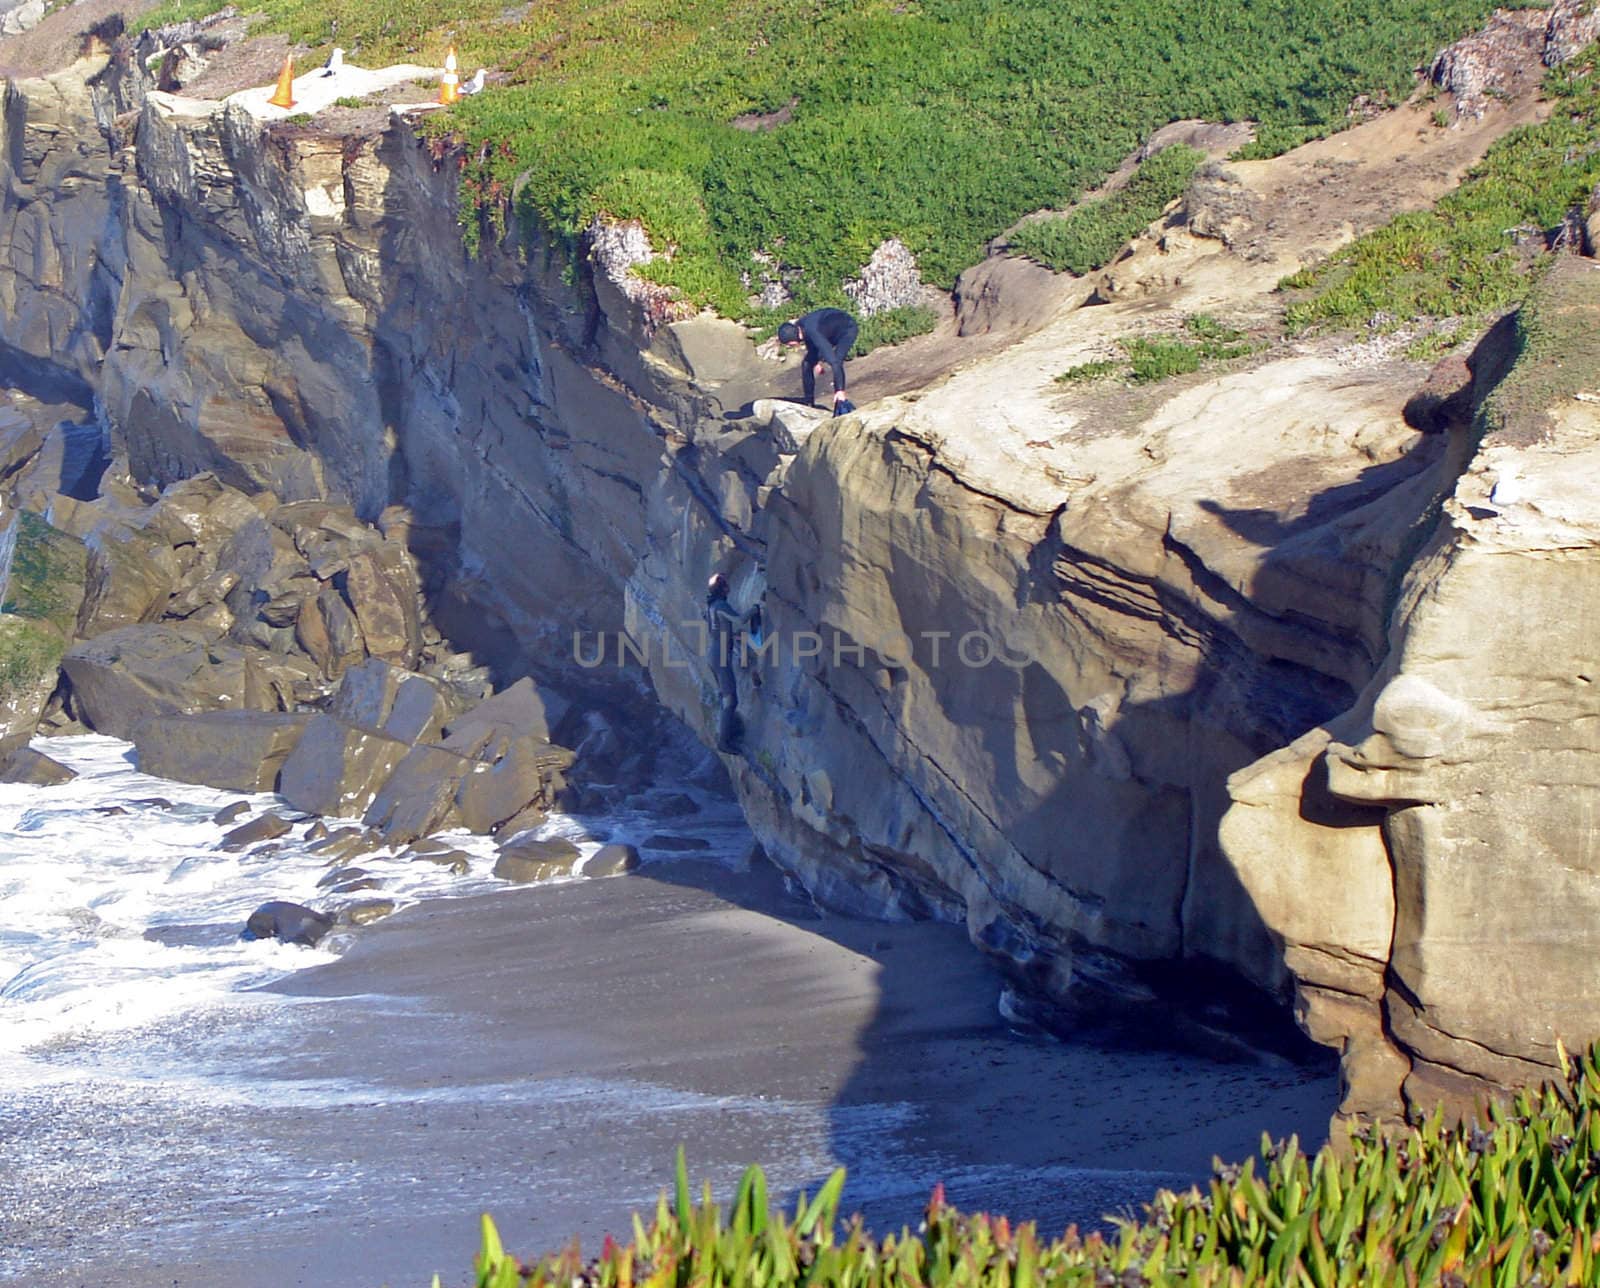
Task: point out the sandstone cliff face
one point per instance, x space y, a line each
1094 675
1449 942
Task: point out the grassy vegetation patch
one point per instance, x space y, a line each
1557 336
47 572
1480 249
895 326
939 121
1089 236
30 652
1513 1199
1151 358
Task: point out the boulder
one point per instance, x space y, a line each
346 843
239 751
25 765
213 588
329 633
385 699
228 813
337 769
263 557
523 709
382 592
338 876
202 511
611 861
133 672
527 859
21 437
420 796
266 828
492 794
292 923
131 575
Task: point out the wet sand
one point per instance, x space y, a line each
540 1054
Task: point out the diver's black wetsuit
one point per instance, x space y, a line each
828 334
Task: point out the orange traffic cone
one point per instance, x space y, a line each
284 96
449 82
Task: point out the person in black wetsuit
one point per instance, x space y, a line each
727 629
827 335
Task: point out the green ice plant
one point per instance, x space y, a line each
1509 1198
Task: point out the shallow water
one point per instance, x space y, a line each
214 1111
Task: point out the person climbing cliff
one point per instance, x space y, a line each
827 335
726 632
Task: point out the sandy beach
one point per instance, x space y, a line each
541 1053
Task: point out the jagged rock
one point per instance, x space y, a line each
1570 28
889 280
329 633
382 594
526 859
521 710
385 699
420 796
265 828
616 248
21 437
340 875
337 769
292 923
232 750
211 589
263 557
25 765
490 794
180 65
229 813
1480 66
202 511
131 576
612 860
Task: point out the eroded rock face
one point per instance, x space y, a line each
1429 858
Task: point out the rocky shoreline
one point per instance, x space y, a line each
251 645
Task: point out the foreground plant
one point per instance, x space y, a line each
1508 1200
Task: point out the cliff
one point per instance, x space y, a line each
1210 691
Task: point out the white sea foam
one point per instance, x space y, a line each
118 909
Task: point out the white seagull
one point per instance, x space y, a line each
475 85
335 62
